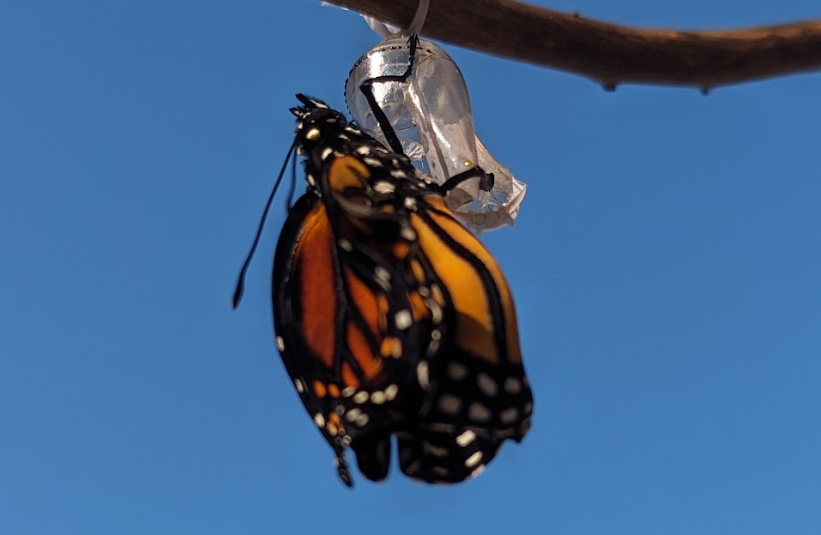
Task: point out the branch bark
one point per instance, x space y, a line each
608 53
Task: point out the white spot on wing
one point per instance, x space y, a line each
280 343
312 134
487 385
382 187
512 385
403 319
382 274
479 469
422 374
508 416
450 404
440 471
474 459
478 412
436 451
390 392
319 420
466 438
408 233
457 371
435 312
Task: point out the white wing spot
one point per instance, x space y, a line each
479 469
408 233
382 187
373 162
450 404
440 471
422 375
436 451
312 134
478 412
345 245
457 371
348 391
362 420
280 343
352 414
300 386
360 397
410 203
390 392
319 420
398 173
508 416
403 319
327 152
435 313
466 438
474 459
487 385
512 385
382 274
378 398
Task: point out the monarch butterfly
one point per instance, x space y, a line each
391 318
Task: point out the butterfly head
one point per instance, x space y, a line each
318 127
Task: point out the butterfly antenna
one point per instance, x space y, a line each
289 200
241 279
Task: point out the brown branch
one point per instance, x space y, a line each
608 53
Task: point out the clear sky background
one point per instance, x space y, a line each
666 265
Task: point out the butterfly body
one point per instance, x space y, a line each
392 319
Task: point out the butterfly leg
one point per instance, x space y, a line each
367 89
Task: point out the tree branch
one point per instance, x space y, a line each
608 53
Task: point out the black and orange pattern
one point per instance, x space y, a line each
391 317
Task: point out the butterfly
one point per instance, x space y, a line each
391 318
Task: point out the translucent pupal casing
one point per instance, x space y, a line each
432 118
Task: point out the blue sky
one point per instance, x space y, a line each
666 266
